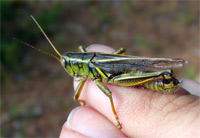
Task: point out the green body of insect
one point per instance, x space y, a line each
119 69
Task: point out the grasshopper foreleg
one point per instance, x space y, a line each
78 91
108 93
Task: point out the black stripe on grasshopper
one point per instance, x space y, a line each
118 69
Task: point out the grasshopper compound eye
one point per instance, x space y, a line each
63 62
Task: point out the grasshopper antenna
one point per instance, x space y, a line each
37 49
45 36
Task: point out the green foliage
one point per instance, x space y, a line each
188 19
1 105
14 112
49 16
128 6
102 18
13 52
10 53
143 42
100 15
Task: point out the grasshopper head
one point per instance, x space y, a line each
65 61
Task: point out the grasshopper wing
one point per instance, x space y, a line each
116 64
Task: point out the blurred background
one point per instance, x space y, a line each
36 92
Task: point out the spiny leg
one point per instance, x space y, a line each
78 91
81 49
108 93
120 51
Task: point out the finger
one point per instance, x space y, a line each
89 122
100 48
191 86
66 132
144 112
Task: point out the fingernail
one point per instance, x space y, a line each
68 122
89 122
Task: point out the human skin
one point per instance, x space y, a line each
142 112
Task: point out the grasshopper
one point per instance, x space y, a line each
117 69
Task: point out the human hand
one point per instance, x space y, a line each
142 112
